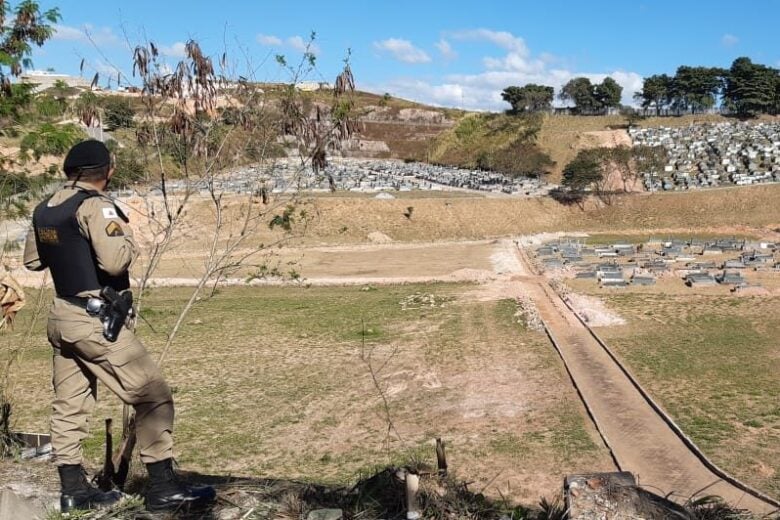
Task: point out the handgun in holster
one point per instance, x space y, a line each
119 307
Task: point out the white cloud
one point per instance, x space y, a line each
403 50
446 50
67 33
85 34
296 43
299 44
481 90
729 40
177 50
503 39
269 40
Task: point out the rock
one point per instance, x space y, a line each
614 495
13 507
229 513
418 115
377 237
366 145
325 514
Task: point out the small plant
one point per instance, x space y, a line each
553 509
128 169
714 508
129 507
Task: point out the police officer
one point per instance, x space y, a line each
82 237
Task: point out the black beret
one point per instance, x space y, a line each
87 154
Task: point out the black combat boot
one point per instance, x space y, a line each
78 493
166 492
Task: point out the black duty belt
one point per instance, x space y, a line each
94 306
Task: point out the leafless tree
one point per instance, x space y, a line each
184 113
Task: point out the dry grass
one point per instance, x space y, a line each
712 361
269 382
349 220
746 212
392 261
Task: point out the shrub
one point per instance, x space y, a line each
128 169
50 139
49 107
117 112
14 107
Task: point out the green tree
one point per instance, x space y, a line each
607 93
656 92
26 27
88 109
117 112
589 98
750 87
697 88
528 98
583 172
20 29
776 108
581 92
14 107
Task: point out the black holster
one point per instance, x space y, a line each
119 307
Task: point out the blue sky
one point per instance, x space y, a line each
450 53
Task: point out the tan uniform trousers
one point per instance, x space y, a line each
82 356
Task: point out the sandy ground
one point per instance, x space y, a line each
32 166
476 261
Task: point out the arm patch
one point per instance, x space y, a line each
109 213
114 230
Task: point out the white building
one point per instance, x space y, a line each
46 79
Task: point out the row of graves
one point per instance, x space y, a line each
710 155
368 176
697 263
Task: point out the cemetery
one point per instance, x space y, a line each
366 176
732 263
711 155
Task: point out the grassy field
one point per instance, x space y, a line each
273 382
713 362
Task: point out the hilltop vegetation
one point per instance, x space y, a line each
494 142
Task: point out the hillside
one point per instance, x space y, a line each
390 127
387 128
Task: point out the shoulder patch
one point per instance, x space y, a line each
114 230
109 213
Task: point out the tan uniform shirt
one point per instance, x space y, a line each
111 238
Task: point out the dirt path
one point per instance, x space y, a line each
639 438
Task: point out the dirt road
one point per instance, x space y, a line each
641 441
